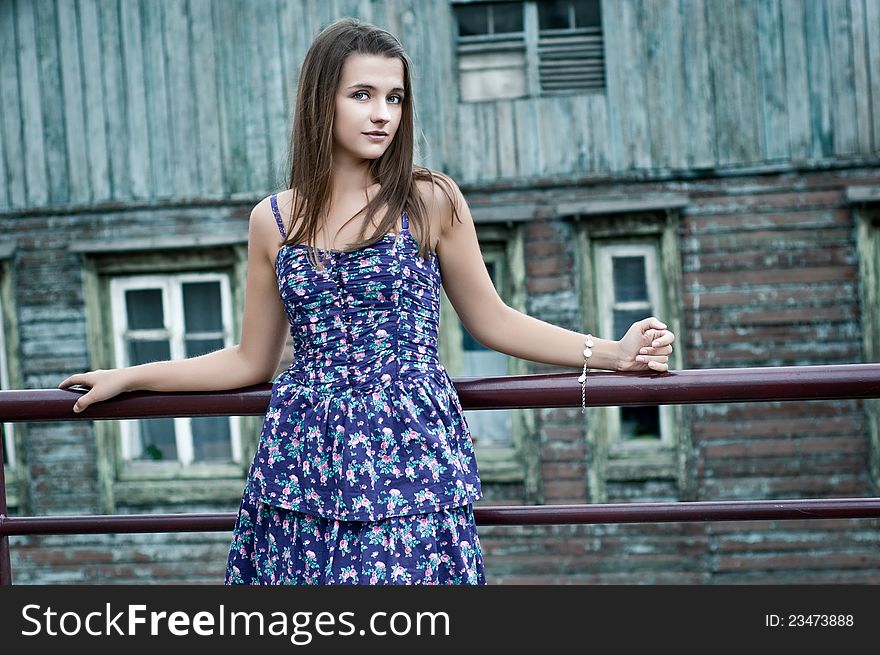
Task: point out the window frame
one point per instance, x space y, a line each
639 220
501 241
603 252
172 299
122 484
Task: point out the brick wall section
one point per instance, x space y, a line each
769 278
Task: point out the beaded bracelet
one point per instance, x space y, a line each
588 352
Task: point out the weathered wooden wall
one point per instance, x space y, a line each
117 101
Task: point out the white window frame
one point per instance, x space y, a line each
8 432
172 300
605 252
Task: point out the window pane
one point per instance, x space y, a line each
623 319
211 439
472 19
196 347
144 309
142 352
642 423
157 439
507 17
202 307
553 14
629 279
587 13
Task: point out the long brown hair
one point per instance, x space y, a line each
311 142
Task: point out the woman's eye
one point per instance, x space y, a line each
356 94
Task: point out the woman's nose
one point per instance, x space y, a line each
381 112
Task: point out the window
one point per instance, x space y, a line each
527 48
628 276
631 270
173 317
155 298
489 427
504 451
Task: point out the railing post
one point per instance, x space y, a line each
5 561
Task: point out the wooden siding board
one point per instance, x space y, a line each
158 118
771 72
270 57
74 108
582 142
204 59
289 45
506 141
97 156
138 131
255 168
674 82
53 102
600 155
4 188
843 101
612 31
724 101
819 78
14 193
746 80
633 113
469 154
34 149
114 99
861 76
659 107
226 26
797 95
181 101
551 134
872 29
697 111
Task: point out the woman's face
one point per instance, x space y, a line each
369 99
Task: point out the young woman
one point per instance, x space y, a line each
365 470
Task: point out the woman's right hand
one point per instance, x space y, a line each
103 384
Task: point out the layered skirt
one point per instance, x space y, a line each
275 546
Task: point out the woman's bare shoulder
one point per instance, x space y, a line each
440 193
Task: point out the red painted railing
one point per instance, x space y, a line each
526 391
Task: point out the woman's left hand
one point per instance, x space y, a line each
646 346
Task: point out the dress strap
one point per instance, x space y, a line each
274 200
405 222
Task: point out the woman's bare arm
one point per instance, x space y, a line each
253 360
496 325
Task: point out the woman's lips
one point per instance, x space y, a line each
375 137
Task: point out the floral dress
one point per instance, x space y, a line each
365 470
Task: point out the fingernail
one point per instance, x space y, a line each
655 344
643 351
76 409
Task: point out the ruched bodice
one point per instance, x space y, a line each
365 423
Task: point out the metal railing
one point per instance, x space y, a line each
764 384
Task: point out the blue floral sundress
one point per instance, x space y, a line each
365 470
